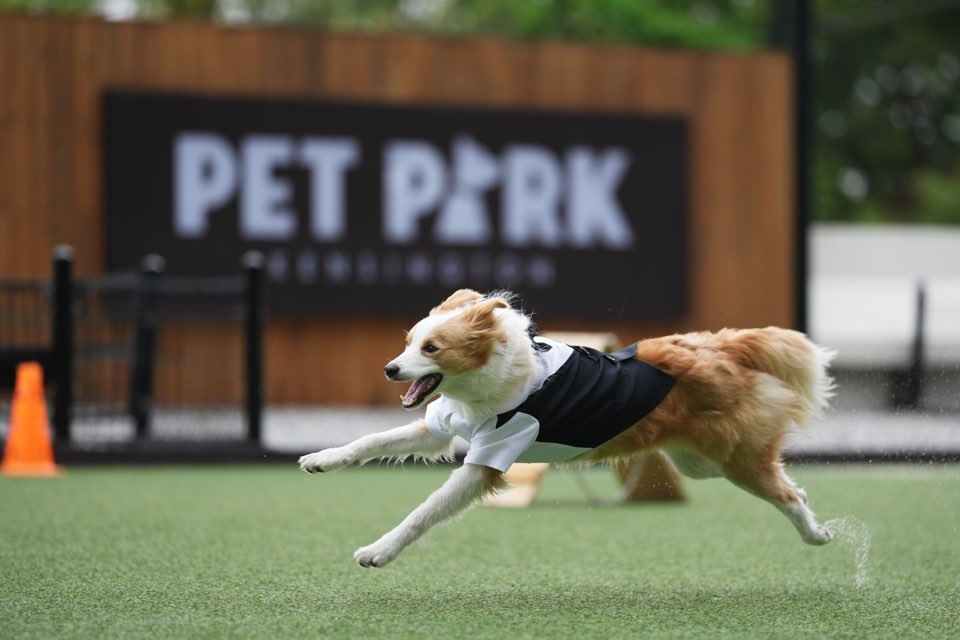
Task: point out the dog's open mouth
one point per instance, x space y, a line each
420 390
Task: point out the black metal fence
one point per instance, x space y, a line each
124 353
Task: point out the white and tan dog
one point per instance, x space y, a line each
721 404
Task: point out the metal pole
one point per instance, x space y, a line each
917 363
62 361
253 265
803 138
145 343
906 385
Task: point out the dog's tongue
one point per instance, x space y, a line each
420 388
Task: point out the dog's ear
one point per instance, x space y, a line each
480 316
461 298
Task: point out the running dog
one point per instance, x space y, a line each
720 404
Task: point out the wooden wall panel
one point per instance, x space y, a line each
53 72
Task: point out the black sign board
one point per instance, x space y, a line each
365 209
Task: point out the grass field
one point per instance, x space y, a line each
265 552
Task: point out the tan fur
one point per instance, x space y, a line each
737 394
460 298
464 343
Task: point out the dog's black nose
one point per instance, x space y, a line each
391 370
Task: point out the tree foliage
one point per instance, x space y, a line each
888 112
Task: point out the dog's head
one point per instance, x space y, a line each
457 340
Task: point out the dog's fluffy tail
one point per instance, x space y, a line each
792 358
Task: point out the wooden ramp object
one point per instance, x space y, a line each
646 478
650 477
523 482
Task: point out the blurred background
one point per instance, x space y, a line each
885 99
244 253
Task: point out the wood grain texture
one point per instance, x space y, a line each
53 72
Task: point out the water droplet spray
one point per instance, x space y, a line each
853 534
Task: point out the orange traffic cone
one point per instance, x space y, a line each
28 451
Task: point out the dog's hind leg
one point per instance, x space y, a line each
411 439
790 482
766 479
464 486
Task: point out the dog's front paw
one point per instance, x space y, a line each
818 536
326 460
378 554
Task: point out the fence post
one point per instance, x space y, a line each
253 264
907 391
62 361
145 342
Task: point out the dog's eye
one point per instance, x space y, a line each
429 348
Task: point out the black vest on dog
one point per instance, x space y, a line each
593 397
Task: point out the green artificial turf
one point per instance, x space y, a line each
266 552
